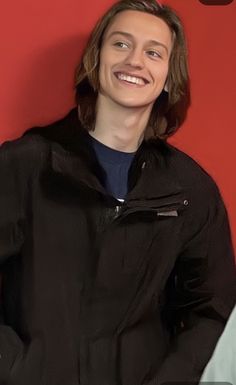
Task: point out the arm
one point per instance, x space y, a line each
11 240
201 300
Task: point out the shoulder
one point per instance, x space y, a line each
178 165
206 205
197 185
61 131
21 161
25 152
30 150
191 175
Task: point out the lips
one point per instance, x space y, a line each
131 78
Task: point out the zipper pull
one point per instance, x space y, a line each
117 211
171 213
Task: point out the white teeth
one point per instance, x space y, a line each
131 79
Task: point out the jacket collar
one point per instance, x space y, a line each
151 176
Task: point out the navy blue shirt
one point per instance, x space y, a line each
116 165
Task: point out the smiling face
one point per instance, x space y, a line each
134 59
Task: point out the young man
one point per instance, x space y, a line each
115 249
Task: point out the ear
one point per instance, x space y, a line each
166 88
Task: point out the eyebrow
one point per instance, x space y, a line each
130 36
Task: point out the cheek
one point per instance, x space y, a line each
161 75
103 76
105 57
102 69
104 63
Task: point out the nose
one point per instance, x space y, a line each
135 58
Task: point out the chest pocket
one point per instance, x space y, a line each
132 237
123 249
141 234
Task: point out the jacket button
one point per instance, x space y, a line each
185 202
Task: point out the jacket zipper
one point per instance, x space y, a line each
173 209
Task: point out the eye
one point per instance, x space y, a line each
121 44
154 54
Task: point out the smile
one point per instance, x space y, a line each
131 79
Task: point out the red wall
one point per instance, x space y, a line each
41 42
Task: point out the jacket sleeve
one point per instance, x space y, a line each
11 240
202 299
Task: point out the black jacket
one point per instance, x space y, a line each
99 293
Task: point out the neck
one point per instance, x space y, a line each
118 127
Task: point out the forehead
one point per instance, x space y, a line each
141 25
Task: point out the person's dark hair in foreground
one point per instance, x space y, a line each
115 250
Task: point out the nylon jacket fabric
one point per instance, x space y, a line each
95 292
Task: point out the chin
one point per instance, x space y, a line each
133 104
